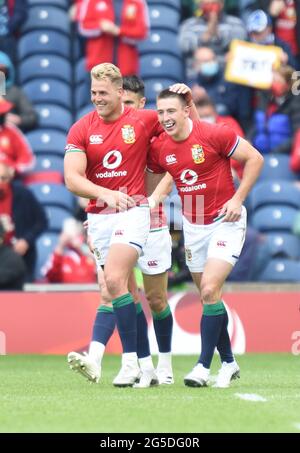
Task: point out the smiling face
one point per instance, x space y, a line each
173 116
107 98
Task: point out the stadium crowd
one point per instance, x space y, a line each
46 52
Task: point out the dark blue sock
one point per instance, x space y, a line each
104 324
125 312
211 326
163 326
143 347
224 344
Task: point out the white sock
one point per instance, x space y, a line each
130 357
146 363
165 360
96 351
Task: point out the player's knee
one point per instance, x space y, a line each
157 301
114 285
209 292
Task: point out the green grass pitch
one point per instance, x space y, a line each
40 394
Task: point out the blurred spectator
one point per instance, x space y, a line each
13 14
207 112
71 262
286 20
212 28
22 114
259 27
253 259
13 143
112 29
12 267
229 98
22 216
277 116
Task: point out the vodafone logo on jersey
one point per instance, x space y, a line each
189 177
112 159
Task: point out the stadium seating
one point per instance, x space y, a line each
44 42
54 116
283 245
154 86
65 4
281 270
47 140
163 16
45 245
172 3
37 67
161 66
56 216
276 166
82 96
275 192
84 110
49 91
160 41
274 218
53 195
81 74
49 162
47 18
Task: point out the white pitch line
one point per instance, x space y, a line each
251 397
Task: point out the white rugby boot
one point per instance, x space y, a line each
85 365
148 376
164 369
129 373
198 377
227 373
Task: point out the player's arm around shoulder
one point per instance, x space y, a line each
253 161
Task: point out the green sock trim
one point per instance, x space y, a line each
121 301
105 309
214 309
138 308
162 315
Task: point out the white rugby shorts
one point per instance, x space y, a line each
129 227
221 240
157 253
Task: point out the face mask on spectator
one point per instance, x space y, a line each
269 39
208 8
209 68
279 89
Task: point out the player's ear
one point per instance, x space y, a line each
142 103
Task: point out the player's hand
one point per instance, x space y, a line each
118 200
232 210
109 27
181 88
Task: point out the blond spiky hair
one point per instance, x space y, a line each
107 71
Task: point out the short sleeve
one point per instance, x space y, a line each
224 140
150 119
153 164
76 138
